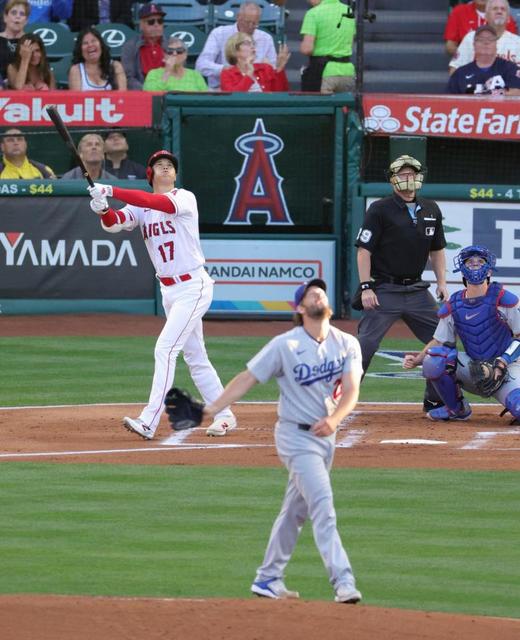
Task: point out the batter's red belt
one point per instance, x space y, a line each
168 282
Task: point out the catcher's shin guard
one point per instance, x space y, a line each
439 366
512 403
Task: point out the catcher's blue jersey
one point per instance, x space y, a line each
485 334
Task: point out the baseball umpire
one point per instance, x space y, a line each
398 235
485 317
318 370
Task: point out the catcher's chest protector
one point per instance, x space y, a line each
484 334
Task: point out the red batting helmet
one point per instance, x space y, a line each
163 153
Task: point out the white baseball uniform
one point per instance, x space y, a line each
173 244
309 376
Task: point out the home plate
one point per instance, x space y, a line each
413 441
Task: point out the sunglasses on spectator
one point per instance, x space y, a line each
155 21
172 50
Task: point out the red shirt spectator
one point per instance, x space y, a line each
265 79
247 75
151 20
465 18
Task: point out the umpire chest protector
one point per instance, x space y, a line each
484 333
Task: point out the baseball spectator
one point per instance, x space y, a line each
15 164
168 221
212 58
92 67
16 14
30 70
484 318
487 74
466 17
310 410
117 161
91 150
86 13
508 44
146 52
245 74
328 31
174 76
50 10
398 235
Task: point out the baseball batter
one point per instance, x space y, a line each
168 221
318 370
486 318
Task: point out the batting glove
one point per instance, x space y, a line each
100 190
99 205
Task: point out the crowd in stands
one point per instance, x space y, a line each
149 62
481 37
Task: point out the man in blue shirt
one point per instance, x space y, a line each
487 74
50 10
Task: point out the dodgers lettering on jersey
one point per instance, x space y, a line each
308 373
172 239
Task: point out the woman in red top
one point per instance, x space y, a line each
247 75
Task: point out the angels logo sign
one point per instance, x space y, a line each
259 186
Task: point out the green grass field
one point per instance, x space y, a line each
424 539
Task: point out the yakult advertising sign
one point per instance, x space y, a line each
77 108
491 117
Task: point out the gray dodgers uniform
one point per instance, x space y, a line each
309 375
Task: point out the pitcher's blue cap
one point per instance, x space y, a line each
302 289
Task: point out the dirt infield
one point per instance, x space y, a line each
375 436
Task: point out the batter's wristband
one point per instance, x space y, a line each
368 284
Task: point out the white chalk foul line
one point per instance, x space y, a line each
52 454
481 438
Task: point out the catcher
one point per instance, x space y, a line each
486 319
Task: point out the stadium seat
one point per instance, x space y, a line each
115 35
183 12
56 36
194 37
272 18
60 68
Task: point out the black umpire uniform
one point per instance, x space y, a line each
399 236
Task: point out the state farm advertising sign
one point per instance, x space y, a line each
77 108
491 117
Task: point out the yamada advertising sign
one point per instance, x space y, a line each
491 117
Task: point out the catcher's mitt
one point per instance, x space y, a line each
487 376
184 412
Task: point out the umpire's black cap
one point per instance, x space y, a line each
302 289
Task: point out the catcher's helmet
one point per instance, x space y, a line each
408 183
163 153
475 276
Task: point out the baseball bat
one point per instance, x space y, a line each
64 133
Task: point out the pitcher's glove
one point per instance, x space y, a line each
488 376
184 411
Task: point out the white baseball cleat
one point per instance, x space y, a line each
273 588
348 595
136 425
221 426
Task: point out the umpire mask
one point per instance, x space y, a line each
409 182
